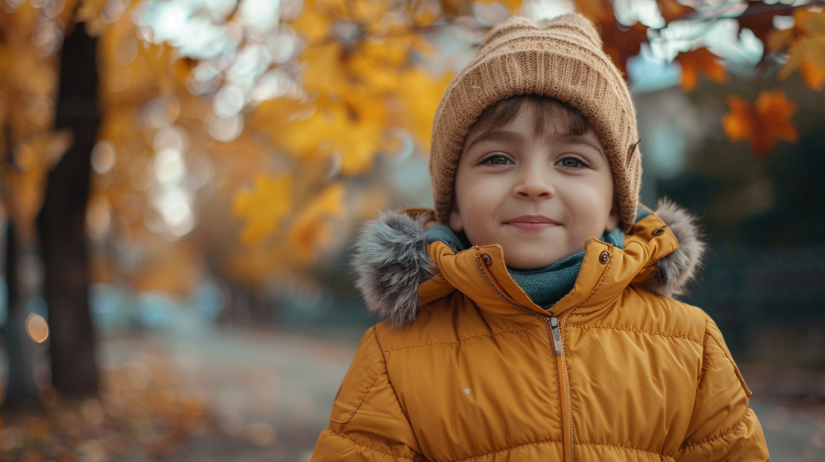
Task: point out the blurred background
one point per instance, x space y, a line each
182 181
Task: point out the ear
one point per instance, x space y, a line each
456 223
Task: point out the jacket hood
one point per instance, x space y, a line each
392 261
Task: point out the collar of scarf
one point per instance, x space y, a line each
545 286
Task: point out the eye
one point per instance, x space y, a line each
573 162
496 159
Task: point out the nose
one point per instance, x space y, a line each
534 183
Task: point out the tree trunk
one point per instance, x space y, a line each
60 223
19 347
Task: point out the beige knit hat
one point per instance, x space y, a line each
561 58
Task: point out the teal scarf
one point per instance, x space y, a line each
548 285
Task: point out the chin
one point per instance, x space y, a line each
530 261
526 264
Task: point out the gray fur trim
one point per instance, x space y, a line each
390 262
678 269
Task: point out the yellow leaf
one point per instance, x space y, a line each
357 142
810 49
312 227
333 129
263 208
312 24
420 94
368 11
324 70
423 12
512 5
807 45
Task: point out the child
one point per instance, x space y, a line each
530 316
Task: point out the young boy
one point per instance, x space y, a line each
530 316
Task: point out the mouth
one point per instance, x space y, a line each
532 222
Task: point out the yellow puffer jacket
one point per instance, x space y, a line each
467 368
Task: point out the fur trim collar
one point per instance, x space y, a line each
391 261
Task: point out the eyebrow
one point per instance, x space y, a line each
576 139
508 136
495 135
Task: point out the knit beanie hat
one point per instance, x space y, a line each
560 58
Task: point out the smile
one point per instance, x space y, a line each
532 222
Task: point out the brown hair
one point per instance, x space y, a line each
546 112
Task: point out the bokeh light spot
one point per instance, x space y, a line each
37 328
103 157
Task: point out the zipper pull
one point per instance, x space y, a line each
554 326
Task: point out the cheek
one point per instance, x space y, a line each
591 201
477 198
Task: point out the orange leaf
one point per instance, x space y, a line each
700 62
813 75
762 123
620 42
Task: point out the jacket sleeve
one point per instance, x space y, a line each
367 422
722 427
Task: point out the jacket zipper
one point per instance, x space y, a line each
554 327
561 369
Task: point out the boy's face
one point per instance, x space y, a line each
538 196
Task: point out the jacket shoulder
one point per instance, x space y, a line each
644 312
449 320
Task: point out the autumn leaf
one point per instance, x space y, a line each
311 229
420 94
312 23
263 208
811 22
812 74
700 62
807 45
808 57
762 123
325 70
511 5
368 11
423 12
334 128
620 43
